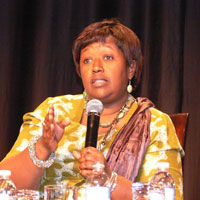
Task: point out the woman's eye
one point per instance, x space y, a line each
87 60
108 57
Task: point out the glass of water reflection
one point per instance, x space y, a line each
26 195
60 192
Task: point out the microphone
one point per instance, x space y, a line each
94 109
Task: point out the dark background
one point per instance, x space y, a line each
36 61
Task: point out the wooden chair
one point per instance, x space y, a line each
180 123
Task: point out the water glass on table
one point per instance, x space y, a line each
60 192
25 194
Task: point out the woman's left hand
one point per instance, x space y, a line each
89 156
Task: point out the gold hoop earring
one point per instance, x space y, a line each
129 87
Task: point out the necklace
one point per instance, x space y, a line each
125 108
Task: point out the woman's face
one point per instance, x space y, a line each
104 72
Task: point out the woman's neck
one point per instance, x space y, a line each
112 108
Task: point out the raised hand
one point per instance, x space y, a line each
52 131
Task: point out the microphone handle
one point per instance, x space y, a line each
92 130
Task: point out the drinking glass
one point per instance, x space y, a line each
26 195
60 192
71 193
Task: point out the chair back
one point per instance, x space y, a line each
180 123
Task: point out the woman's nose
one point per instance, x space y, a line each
97 66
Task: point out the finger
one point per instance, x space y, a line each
50 132
91 154
49 119
51 109
50 115
91 149
84 156
86 173
64 123
76 155
86 165
45 128
88 150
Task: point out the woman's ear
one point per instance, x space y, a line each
131 71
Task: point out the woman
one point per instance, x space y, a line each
133 136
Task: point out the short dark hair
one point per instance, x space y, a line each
125 39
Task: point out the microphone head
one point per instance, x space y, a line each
94 106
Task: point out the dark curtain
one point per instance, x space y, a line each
36 61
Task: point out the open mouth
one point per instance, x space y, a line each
99 82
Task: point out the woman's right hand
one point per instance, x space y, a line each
52 134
